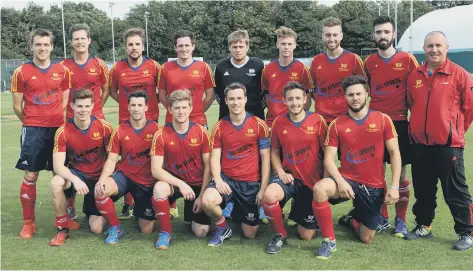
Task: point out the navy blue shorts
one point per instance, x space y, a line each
405 147
301 210
243 194
367 203
88 208
141 194
189 215
37 145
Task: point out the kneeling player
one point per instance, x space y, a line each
132 140
83 139
362 135
239 159
180 161
299 136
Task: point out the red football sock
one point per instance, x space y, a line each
106 207
129 199
61 221
173 205
161 209
355 225
71 202
403 203
28 199
384 211
274 214
222 222
323 216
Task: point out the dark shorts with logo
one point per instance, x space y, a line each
243 194
37 145
88 207
301 210
189 215
405 147
367 203
141 194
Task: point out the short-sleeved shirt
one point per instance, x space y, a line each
197 77
42 93
183 152
128 79
273 80
328 75
86 150
362 144
240 146
301 144
134 147
90 75
388 79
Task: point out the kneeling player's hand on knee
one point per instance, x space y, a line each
80 187
197 208
345 190
285 177
99 188
392 196
259 197
186 191
223 188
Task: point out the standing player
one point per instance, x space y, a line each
187 73
387 72
40 91
299 136
131 74
83 139
180 161
328 69
440 97
362 136
240 165
89 72
243 69
278 73
132 141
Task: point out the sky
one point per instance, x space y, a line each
120 7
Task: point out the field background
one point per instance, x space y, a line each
84 250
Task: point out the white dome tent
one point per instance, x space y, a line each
456 23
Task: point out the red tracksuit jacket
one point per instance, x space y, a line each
441 105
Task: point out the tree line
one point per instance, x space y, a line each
211 22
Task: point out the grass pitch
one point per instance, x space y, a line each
84 250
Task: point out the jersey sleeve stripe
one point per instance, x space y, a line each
59 132
413 59
155 139
358 58
327 138
391 122
14 82
114 133
204 133
215 130
311 82
263 124
110 75
156 64
209 70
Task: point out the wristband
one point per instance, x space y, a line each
394 187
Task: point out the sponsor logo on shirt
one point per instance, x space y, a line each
46 98
239 153
33 78
127 138
319 67
123 74
343 67
284 132
172 143
273 76
298 156
365 152
347 130
226 73
130 158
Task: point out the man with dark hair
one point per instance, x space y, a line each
83 141
387 72
89 72
240 166
440 97
132 141
328 69
362 136
239 67
187 73
134 73
299 138
40 92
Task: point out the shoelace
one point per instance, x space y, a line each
325 245
277 241
466 237
218 232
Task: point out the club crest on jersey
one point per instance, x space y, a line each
250 132
146 73
294 76
398 66
193 142
372 128
148 137
251 72
343 67
418 84
195 73
310 130
92 71
96 136
56 76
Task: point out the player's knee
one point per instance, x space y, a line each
306 235
367 239
271 194
210 199
57 183
31 177
147 229
319 192
250 234
97 229
201 232
161 190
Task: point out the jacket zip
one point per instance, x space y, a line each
427 109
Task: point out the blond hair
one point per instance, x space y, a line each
239 35
285 32
331 21
179 96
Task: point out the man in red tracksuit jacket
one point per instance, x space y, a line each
440 97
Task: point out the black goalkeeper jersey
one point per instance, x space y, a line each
249 75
